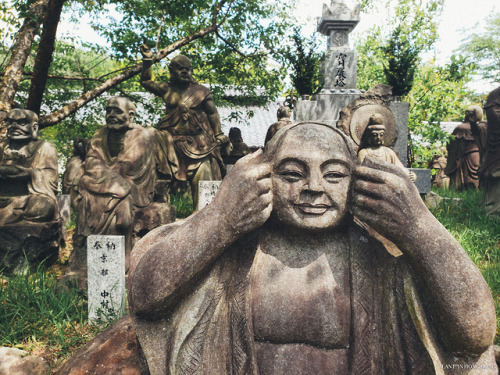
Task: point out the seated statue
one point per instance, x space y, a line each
463 152
74 170
372 145
190 133
283 120
275 276
28 172
238 148
119 175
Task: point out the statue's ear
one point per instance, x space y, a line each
34 131
131 115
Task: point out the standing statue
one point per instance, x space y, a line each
276 277
74 170
438 164
283 120
118 178
372 145
488 139
29 216
190 132
463 152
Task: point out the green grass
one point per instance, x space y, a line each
464 217
36 316
183 204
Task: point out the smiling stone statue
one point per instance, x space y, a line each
275 276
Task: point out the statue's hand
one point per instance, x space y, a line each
386 199
222 139
244 198
14 171
146 51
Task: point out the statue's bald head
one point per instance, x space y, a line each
181 70
180 60
474 113
22 124
120 113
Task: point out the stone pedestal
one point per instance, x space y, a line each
23 244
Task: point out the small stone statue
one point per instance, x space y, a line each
488 139
118 179
190 132
463 152
373 145
438 164
283 120
28 185
238 148
74 170
276 277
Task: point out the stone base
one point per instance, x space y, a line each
113 351
23 244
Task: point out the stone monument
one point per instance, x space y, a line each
117 186
276 277
463 152
488 139
29 216
338 70
190 132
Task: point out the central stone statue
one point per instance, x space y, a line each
190 132
275 276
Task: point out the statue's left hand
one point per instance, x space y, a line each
386 199
12 170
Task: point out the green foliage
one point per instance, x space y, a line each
484 47
305 62
32 309
370 64
402 59
439 94
183 204
463 215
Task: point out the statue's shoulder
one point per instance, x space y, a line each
41 145
200 89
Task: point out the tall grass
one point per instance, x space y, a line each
35 314
465 218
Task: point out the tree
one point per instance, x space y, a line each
236 32
484 48
304 62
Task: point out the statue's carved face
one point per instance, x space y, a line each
311 179
118 115
376 137
21 125
181 72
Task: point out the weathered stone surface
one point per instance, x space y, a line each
423 179
113 351
19 362
31 242
283 279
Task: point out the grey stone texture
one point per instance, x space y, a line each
19 362
277 275
206 192
106 278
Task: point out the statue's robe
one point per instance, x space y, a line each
185 137
112 187
35 200
210 331
463 158
490 154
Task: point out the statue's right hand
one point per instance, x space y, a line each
245 195
146 51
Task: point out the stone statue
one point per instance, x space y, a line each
373 145
28 185
28 172
276 277
463 152
190 132
238 148
118 179
488 140
283 120
74 170
438 164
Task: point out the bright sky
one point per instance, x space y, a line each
459 18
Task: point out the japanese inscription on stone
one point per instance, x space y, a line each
340 77
106 278
206 191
